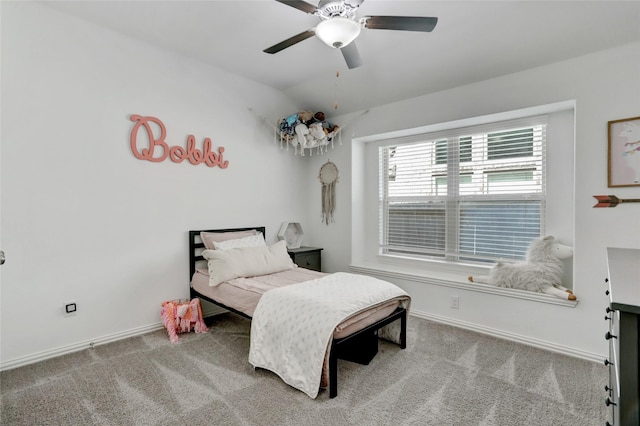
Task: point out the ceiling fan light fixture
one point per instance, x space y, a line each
338 31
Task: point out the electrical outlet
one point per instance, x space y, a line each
70 308
455 302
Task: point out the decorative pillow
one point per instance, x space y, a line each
225 265
209 237
250 241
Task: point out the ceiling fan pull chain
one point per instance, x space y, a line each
335 104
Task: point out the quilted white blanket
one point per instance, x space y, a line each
292 326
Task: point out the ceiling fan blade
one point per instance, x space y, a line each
351 55
404 23
289 42
300 5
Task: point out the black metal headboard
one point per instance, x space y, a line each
196 246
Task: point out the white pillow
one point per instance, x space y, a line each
209 237
225 265
250 241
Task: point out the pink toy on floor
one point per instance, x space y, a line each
182 317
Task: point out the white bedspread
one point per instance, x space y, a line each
292 326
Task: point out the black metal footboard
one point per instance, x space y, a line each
343 348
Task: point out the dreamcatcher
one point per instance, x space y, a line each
328 178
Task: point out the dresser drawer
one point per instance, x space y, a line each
613 390
309 261
307 257
623 314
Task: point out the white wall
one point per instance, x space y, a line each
82 219
605 86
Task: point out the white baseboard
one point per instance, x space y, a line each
215 310
525 340
64 350
212 310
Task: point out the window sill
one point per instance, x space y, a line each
454 280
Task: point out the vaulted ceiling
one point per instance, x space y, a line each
473 41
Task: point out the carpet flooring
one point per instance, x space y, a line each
445 376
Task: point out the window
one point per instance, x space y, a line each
472 194
465 150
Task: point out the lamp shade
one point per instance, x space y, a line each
338 31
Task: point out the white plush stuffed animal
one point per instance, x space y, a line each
541 272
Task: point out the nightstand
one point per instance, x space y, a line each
306 257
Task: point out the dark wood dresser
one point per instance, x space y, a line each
623 314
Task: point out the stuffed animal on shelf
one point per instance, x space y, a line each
306 130
540 272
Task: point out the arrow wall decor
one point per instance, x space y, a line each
612 200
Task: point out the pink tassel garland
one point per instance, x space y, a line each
182 317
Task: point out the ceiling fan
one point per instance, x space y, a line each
338 27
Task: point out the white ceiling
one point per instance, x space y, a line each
473 41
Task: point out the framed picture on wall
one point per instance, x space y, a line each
624 152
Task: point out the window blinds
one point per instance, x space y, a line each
464 194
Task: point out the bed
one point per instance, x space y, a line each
246 293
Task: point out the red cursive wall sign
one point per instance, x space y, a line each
177 154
